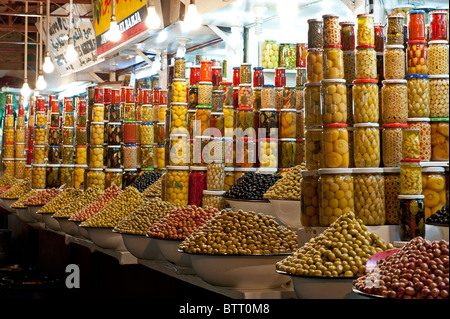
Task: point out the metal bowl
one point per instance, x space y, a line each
33 210
68 226
51 222
82 230
104 237
169 249
287 212
257 206
25 216
143 247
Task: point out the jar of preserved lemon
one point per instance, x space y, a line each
314 65
309 211
313 106
394 62
439 139
439 96
203 118
96 156
179 91
434 189
438 57
336 194
179 150
78 179
365 32
287 126
335 146
365 95
178 118
177 185
313 147
268 152
392 144
418 95
95 177
366 62
366 139
394 98
410 177
334 101
333 62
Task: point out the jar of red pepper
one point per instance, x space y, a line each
280 77
216 76
438 25
302 50
236 76
416 25
99 95
379 37
258 76
194 77
197 184
348 36
206 71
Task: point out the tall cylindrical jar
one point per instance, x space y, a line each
424 127
309 211
315 33
438 57
365 32
335 146
439 96
366 139
417 57
391 192
410 177
394 99
394 32
418 95
365 95
313 106
412 217
434 189
392 144
313 147
366 62
314 72
333 62
394 62
177 185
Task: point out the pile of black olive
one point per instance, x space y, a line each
440 217
143 181
251 186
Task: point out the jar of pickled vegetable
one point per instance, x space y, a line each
114 156
365 101
418 95
28 172
315 33
412 217
160 157
229 178
335 146
97 132
130 156
54 155
98 113
300 77
366 62
268 120
115 112
416 25
394 62
439 25
366 139
54 136
129 132
392 144
160 133
257 98
215 176
54 119
391 192
38 179
180 67
313 147
365 32
197 184
81 154
394 98
347 35
287 125
309 211
41 118
334 101
53 175
417 55
78 178
438 57
96 177
313 107
147 133
314 71
9 150
205 93
179 90
245 122
19 168
129 175
439 139
193 97
147 156
331 30
202 117
349 58
67 154
96 156
245 96
68 134
410 177
206 70
67 175
194 76
178 118
286 152
213 199
177 185
268 152
245 152
434 189
439 96
114 133
178 150
217 124
336 194
394 33
162 109
379 37
113 176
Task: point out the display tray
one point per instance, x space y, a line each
239 271
143 247
262 206
364 294
105 237
67 226
287 212
169 249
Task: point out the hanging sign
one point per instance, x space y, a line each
130 16
83 38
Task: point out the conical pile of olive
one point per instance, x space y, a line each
251 186
342 250
119 208
287 187
86 198
139 222
7 180
19 202
17 190
43 197
440 217
144 180
65 197
241 233
154 190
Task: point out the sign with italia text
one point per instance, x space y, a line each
130 16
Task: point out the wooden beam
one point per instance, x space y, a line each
18 28
52 1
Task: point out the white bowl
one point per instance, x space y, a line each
24 216
257 206
308 287
51 222
241 272
287 212
33 210
104 237
67 226
6 203
143 247
82 230
436 232
169 249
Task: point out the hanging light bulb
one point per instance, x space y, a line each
71 53
153 20
48 66
181 50
114 33
192 20
41 84
26 91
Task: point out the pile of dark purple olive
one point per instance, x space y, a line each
440 217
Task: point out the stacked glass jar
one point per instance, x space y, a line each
20 142
68 142
53 169
8 139
348 39
81 144
30 139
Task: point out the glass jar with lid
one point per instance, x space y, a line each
130 156
245 122
348 37
366 62
313 147
394 33
410 177
268 152
114 157
333 62
369 195
206 70
334 101
217 123
439 25
411 143
286 152
439 96
229 178
213 199
365 31
269 57
391 192
193 97
67 154
418 95
301 51
416 25
147 133
349 66
147 158
394 99
160 156
95 177
412 212
379 37
287 124
197 184
179 90
178 118
331 30
365 101
439 139
245 96
194 76
129 175
300 77
205 93
114 133
38 179
40 133
97 133
313 106
438 57
333 183
129 132
53 175
268 121
314 71
177 185
309 212
178 150
180 68
335 146
227 89
392 144
417 57
433 189
81 154
257 98
245 152
245 74
113 176
217 101
394 62
315 33
366 140
287 56
202 117
215 176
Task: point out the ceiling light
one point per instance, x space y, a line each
192 20
114 33
41 84
48 66
26 91
153 20
71 53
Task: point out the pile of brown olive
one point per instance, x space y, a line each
86 198
65 197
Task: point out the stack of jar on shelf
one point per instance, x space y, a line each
159 101
79 156
30 139
68 142
9 141
53 169
147 128
40 133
